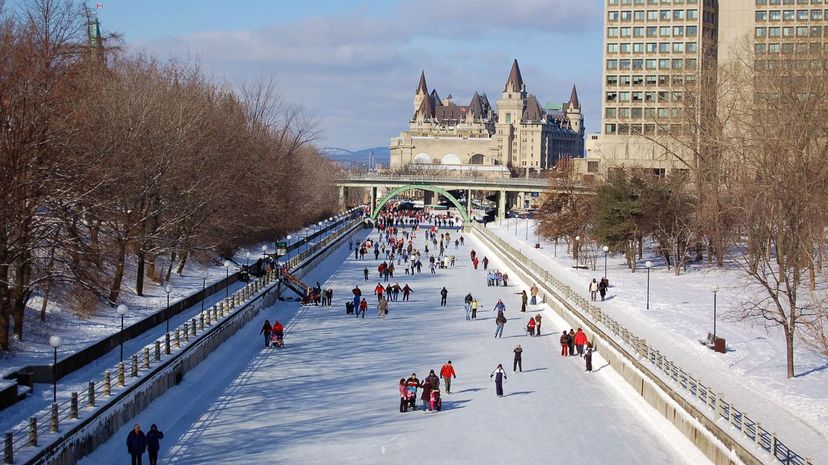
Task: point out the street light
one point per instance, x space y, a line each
575 249
203 288
606 253
648 264
264 253
54 341
122 310
168 289
247 256
715 289
226 278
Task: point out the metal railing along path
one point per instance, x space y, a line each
692 388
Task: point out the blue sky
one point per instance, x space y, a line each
354 65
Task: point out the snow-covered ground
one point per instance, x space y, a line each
80 333
330 396
751 374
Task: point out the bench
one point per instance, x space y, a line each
580 267
716 343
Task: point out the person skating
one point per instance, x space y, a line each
433 379
593 290
443 295
363 306
500 321
588 357
538 319
447 372
602 288
499 375
580 341
505 280
136 444
518 363
425 395
474 262
485 263
403 396
412 384
571 342
500 306
406 291
154 437
533 291
382 308
530 327
266 329
357 295
474 305
365 273
378 290
523 300
564 344
467 305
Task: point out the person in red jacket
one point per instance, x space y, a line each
447 373
378 291
580 342
475 262
363 306
278 334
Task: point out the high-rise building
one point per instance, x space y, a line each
656 55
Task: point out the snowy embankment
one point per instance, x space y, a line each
330 396
751 374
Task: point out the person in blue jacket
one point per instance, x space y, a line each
153 443
136 444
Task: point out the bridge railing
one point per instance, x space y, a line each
747 429
429 179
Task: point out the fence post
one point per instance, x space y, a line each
134 370
177 338
33 431
8 449
107 389
757 436
186 332
90 394
146 358
120 373
167 343
54 421
73 406
201 321
157 350
773 446
193 326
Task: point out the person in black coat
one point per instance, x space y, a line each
153 444
499 376
443 295
136 444
518 359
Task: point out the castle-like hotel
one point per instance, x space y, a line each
519 135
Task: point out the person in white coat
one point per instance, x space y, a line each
593 289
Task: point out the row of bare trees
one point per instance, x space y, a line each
751 190
109 159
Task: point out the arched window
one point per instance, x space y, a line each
422 158
477 159
450 159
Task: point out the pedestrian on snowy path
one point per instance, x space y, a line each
538 324
580 342
382 308
406 291
447 372
499 376
588 357
365 273
593 290
154 438
564 344
425 395
534 292
505 280
500 307
571 342
411 384
403 396
500 321
518 364
443 295
266 331
602 288
363 306
530 327
474 305
136 444
474 262
523 300
485 263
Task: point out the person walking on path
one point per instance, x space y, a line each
523 300
382 308
475 262
425 396
412 384
378 291
500 307
500 321
154 437
443 295
136 444
403 396
538 319
593 290
580 342
602 288
534 292
564 344
530 327
406 291
588 357
518 364
499 375
474 305
467 305
433 379
363 306
266 329
365 273
505 280
485 263
447 372
571 342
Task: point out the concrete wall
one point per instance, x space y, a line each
706 435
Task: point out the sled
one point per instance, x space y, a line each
277 341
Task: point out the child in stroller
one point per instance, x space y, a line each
277 337
435 403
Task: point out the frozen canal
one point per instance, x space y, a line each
331 397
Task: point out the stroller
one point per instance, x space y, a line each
436 402
277 340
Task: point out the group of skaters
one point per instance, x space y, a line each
576 343
430 390
318 296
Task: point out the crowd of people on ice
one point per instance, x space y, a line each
430 389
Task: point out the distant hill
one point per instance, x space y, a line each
382 156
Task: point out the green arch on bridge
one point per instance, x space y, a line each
437 190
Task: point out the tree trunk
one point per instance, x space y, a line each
45 304
115 290
169 268
789 346
139 278
181 262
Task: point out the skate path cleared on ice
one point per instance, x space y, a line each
331 397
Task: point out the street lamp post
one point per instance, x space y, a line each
247 256
122 310
226 278
575 249
264 253
606 253
168 289
203 288
55 342
715 290
527 228
648 264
